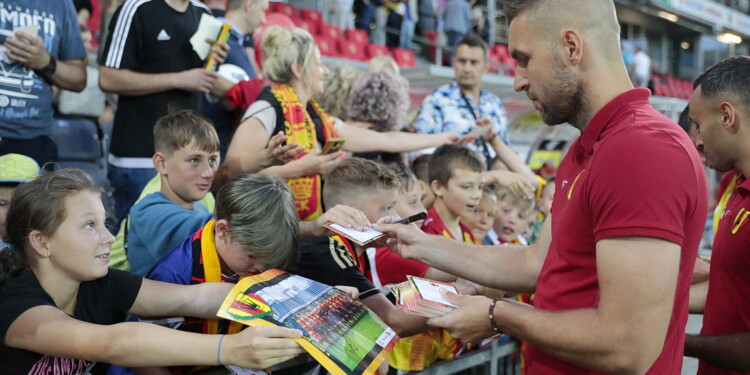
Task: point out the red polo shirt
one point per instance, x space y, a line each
632 173
727 307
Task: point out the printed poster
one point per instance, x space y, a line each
341 333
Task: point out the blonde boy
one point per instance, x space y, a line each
511 217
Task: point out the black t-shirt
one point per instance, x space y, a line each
102 301
326 260
150 37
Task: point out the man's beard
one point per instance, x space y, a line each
569 103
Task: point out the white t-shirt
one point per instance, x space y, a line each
641 64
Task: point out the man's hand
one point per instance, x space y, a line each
28 50
403 239
492 133
346 216
280 153
196 79
469 322
219 49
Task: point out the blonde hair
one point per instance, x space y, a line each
381 63
336 90
283 47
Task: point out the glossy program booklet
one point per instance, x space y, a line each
422 297
341 333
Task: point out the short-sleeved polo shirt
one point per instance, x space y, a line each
632 173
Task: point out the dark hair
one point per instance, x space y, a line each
259 208
453 156
512 8
345 183
473 41
684 120
38 205
421 168
404 174
729 76
179 128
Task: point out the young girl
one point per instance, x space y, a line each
60 304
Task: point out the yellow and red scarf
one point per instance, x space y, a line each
300 128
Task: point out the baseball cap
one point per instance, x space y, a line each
17 168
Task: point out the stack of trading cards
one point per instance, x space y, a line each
422 297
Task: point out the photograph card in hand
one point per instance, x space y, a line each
360 238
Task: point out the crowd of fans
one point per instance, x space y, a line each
222 174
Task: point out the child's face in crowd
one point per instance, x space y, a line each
189 173
80 246
480 221
379 203
545 200
409 202
428 197
5 194
236 257
462 193
510 220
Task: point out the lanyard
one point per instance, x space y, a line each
476 114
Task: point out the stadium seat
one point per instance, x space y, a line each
77 139
311 15
326 45
288 10
330 31
351 50
375 50
404 57
310 26
356 35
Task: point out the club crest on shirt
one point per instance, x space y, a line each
249 306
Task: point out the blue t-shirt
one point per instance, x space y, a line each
25 98
158 225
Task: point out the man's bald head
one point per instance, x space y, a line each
595 19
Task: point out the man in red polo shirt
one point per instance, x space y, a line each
611 268
720 109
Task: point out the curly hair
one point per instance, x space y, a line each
336 90
381 98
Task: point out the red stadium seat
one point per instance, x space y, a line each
310 26
329 31
288 10
326 45
351 50
375 50
404 57
311 15
357 36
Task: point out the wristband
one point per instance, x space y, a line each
48 71
491 314
218 351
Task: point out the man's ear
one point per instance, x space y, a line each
38 242
160 163
728 118
573 47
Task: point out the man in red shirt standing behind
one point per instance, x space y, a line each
612 266
720 109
